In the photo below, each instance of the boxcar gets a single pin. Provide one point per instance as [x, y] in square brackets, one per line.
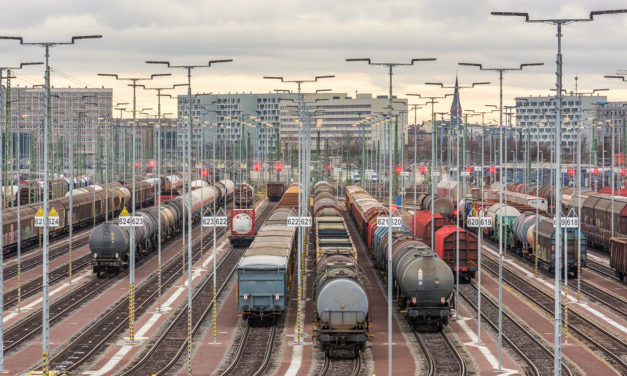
[275, 190]
[618, 256]
[445, 247]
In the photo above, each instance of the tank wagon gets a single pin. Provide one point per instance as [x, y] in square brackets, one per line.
[244, 195]
[423, 283]
[275, 190]
[109, 242]
[341, 304]
[264, 272]
[546, 247]
[84, 209]
[441, 205]
[242, 227]
[508, 214]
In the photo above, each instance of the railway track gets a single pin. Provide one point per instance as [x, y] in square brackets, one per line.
[440, 353]
[605, 271]
[601, 296]
[254, 350]
[538, 358]
[341, 366]
[594, 292]
[35, 285]
[115, 320]
[612, 348]
[60, 249]
[170, 346]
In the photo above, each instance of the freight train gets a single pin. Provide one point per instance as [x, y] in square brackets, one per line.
[109, 242]
[529, 245]
[85, 211]
[445, 245]
[32, 191]
[264, 272]
[244, 195]
[275, 190]
[423, 283]
[341, 303]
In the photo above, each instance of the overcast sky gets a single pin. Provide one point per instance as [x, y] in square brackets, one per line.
[301, 39]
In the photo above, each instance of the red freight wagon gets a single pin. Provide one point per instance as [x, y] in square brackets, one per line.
[618, 256]
[445, 248]
[421, 224]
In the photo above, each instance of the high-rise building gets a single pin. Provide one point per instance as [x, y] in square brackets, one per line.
[336, 117]
[536, 116]
[86, 109]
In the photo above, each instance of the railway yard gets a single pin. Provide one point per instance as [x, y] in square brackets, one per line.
[246, 319]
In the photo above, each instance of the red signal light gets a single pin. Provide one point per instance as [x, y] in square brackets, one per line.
[571, 172]
[136, 164]
[279, 166]
[455, 212]
[595, 171]
[205, 172]
[399, 169]
[469, 169]
[152, 164]
[492, 170]
[257, 166]
[328, 166]
[623, 172]
[423, 170]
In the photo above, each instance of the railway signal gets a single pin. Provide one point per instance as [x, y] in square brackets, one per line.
[623, 172]
[469, 169]
[328, 166]
[205, 172]
[595, 172]
[279, 166]
[152, 164]
[571, 172]
[399, 169]
[423, 170]
[492, 169]
[257, 166]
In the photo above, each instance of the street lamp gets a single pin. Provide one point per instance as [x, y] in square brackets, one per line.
[304, 163]
[47, 121]
[558, 22]
[390, 67]
[501, 70]
[189, 68]
[134, 84]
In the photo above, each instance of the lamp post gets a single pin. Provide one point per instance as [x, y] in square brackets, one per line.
[434, 147]
[19, 252]
[158, 181]
[134, 84]
[47, 121]
[457, 194]
[558, 22]
[501, 182]
[304, 158]
[188, 69]
[390, 67]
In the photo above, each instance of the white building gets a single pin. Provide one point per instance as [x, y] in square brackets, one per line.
[89, 107]
[537, 116]
[334, 115]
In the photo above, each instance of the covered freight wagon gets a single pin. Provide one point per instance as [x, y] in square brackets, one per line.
[421, 224]
[446, 248]
[618, 256]
[546, 247]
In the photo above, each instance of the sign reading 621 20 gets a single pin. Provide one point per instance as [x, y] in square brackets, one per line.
[383, 221]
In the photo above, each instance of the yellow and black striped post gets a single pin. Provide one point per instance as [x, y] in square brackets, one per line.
[44, 367]
[131, 309]
[159, 287]
[189, 341]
